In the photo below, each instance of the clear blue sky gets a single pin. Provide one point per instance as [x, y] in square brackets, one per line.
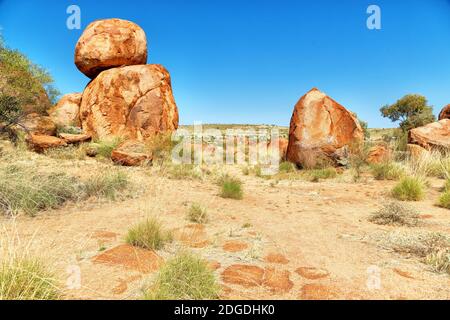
[249, 61]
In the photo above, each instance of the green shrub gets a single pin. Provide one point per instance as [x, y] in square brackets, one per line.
[447, 185]
[317, 174]
[197, 214]
[444, 200]
[148, 234]
[287, 167]
[387, 171]
[409, 189]
[26, 279]
[106, 147]
[395, 213]
[184, 277]
[231, 188]
[106, 185]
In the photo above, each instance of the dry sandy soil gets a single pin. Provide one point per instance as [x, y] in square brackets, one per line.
[285, 240]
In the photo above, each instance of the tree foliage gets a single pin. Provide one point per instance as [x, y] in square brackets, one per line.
[412, 111]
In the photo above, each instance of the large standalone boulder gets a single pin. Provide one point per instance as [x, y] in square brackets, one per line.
[133, 102]
[66, 113]
[108, 44]
[321, 126]
[435, 135]
[445, 113]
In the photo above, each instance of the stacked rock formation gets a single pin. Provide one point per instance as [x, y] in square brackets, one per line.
[321, 127]
[126, 98]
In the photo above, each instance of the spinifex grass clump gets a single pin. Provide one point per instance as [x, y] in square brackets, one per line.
[197, 214]
[409, 189]
[231, 188]
[24, 278]
[106, 185]
[387, 171]
[397, 214]
[184, 277]
[444, 200]
[149, 234]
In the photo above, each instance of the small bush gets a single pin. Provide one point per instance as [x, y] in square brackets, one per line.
[395, 213]
[184, 277]
[439, 260]
[106, 147]
[231, 188]
[148, 234]
[184, 172]
[444, 200]
[197, 214]
[106, 185]
[318, 174]
[287, 167]
[409, 189]
[387, 171]
[26, 279]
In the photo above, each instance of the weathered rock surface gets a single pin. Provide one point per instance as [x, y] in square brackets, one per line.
[38, 124]
[66, 113]
[110, 43]
[40, 143]
[379, 154]
[321, 125]
[415, 151]
[133, 102]
[131, 153]
[75, 138]
[432, 136]
[445, 113]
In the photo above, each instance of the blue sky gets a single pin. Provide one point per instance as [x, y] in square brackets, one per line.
[249, 61]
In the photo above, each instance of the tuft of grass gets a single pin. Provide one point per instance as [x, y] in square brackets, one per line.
[67, 153]
[149, 234]
[316, 175]
[439, 260]
[197, 214]
[231, 188]
[184, 277]
[184, 172]
[104, 148]
[397, 214]
[26, 279]
[409, 189]
[447, 185]
[106, 185]
[287, 167]
[444, 200]
[387, 171]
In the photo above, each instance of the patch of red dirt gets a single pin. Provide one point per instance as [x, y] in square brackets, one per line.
[277, 280]
[313, 291]
[426, 216]
[214, 265]
[404, 274]
[243, 275]
[276, 258]
[312, 273]
[234, 246]
[130, 257]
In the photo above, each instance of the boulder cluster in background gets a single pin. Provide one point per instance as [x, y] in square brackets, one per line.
[126, 99]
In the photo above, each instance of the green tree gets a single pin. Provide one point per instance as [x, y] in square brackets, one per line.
[412, 111]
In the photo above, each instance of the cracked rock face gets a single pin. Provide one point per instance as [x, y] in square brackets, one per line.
[321, 125]
[435, 135]
[110, 43]
[133, 102]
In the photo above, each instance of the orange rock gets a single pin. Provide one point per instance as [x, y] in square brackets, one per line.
[110, 43]
[234, 246]
[134, 103]
[276, 258]
[378, 154]
[243, 275]
[38, 124]
[321, 125]
[277, 280]
[130, 257]
[74, 138]
[131, 153]
[66, 113]
[415, 151]
[40, 143]
[312, 273]
[445, 113]
[433, 135]
[318, 292]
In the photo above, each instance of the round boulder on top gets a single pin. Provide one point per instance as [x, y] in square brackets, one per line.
[321, 127]
[133, 102]
[110, 43]
[445, 113]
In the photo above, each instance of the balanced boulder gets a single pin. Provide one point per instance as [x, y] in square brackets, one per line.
[321, 126]
[133, 102]
[435, 135]
[66, 113]
[108, 44]
[445, 113]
